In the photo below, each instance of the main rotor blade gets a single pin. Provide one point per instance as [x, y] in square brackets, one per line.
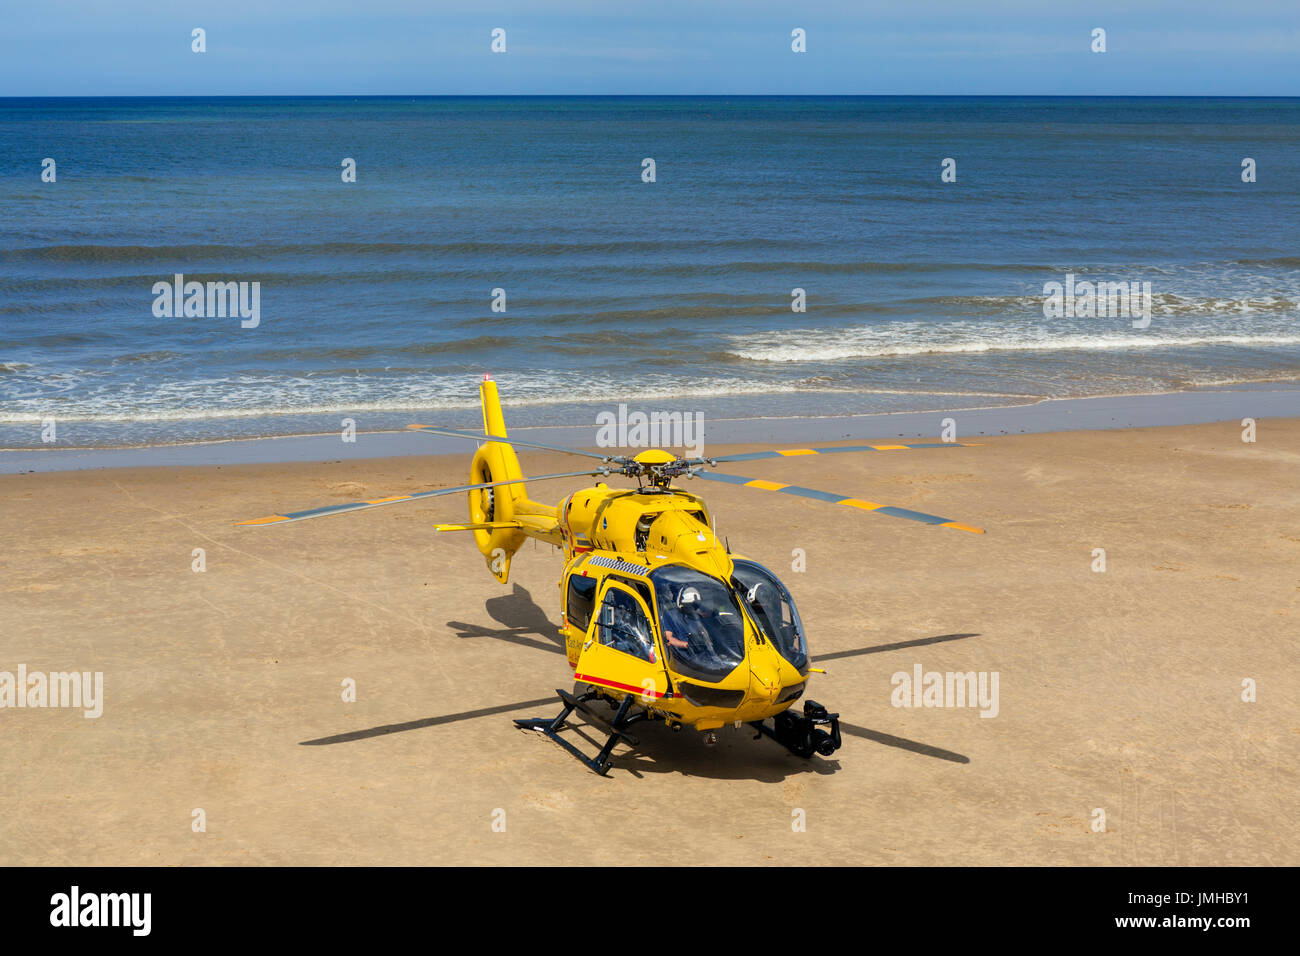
[375, 503]
[835, 499]
[795, 452]
[453, 433]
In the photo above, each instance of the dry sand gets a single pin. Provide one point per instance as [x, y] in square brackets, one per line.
[1119, 690]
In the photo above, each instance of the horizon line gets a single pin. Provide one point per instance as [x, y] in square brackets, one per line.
[610, 96]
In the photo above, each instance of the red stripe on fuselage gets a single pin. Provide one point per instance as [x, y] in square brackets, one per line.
[617, 686]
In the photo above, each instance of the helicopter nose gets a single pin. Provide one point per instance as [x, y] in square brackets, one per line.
[764, 681]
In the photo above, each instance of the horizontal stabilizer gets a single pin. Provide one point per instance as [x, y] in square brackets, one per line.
[484, 526]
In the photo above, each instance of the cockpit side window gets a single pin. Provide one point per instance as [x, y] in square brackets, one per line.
[772, 609]
[580, 601]
[623, 626]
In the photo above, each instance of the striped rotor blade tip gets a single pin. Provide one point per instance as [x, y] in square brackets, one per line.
[839, 449]
[414, 496]
[833, 498]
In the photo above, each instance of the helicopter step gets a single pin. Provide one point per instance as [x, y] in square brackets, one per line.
[615, 729]
[800, 733]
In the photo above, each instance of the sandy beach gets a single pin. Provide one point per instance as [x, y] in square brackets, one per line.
[1120, 691]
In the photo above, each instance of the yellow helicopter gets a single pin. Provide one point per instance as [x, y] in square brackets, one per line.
[659, 618]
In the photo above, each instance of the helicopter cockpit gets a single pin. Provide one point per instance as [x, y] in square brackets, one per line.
[702, 626]
[702, 622]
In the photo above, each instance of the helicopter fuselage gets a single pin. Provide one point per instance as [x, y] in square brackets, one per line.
[652, 607]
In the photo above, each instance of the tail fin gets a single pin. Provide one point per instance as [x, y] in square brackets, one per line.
[496, 461]
[494, 423]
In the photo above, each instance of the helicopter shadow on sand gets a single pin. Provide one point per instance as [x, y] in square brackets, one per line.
[735, 756]
[731, 758]
[524, 621]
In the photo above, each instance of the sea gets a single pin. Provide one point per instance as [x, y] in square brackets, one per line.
[739, 257]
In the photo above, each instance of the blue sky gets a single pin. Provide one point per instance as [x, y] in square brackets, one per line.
[142, 47]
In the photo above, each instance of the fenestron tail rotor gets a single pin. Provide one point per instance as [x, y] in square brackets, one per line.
[415, 496]
[835, 499]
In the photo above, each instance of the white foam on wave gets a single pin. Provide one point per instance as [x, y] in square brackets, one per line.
[214, 399]
[813, 345]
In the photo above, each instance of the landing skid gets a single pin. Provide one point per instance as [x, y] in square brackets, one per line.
[800, 733]
[614, 729]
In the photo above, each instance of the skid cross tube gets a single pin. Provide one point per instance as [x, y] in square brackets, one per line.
[615, 730]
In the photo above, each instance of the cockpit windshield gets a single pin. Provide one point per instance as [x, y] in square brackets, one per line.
[703, 629]
[772, 609]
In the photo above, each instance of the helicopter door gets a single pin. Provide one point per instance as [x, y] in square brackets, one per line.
[620, 651]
